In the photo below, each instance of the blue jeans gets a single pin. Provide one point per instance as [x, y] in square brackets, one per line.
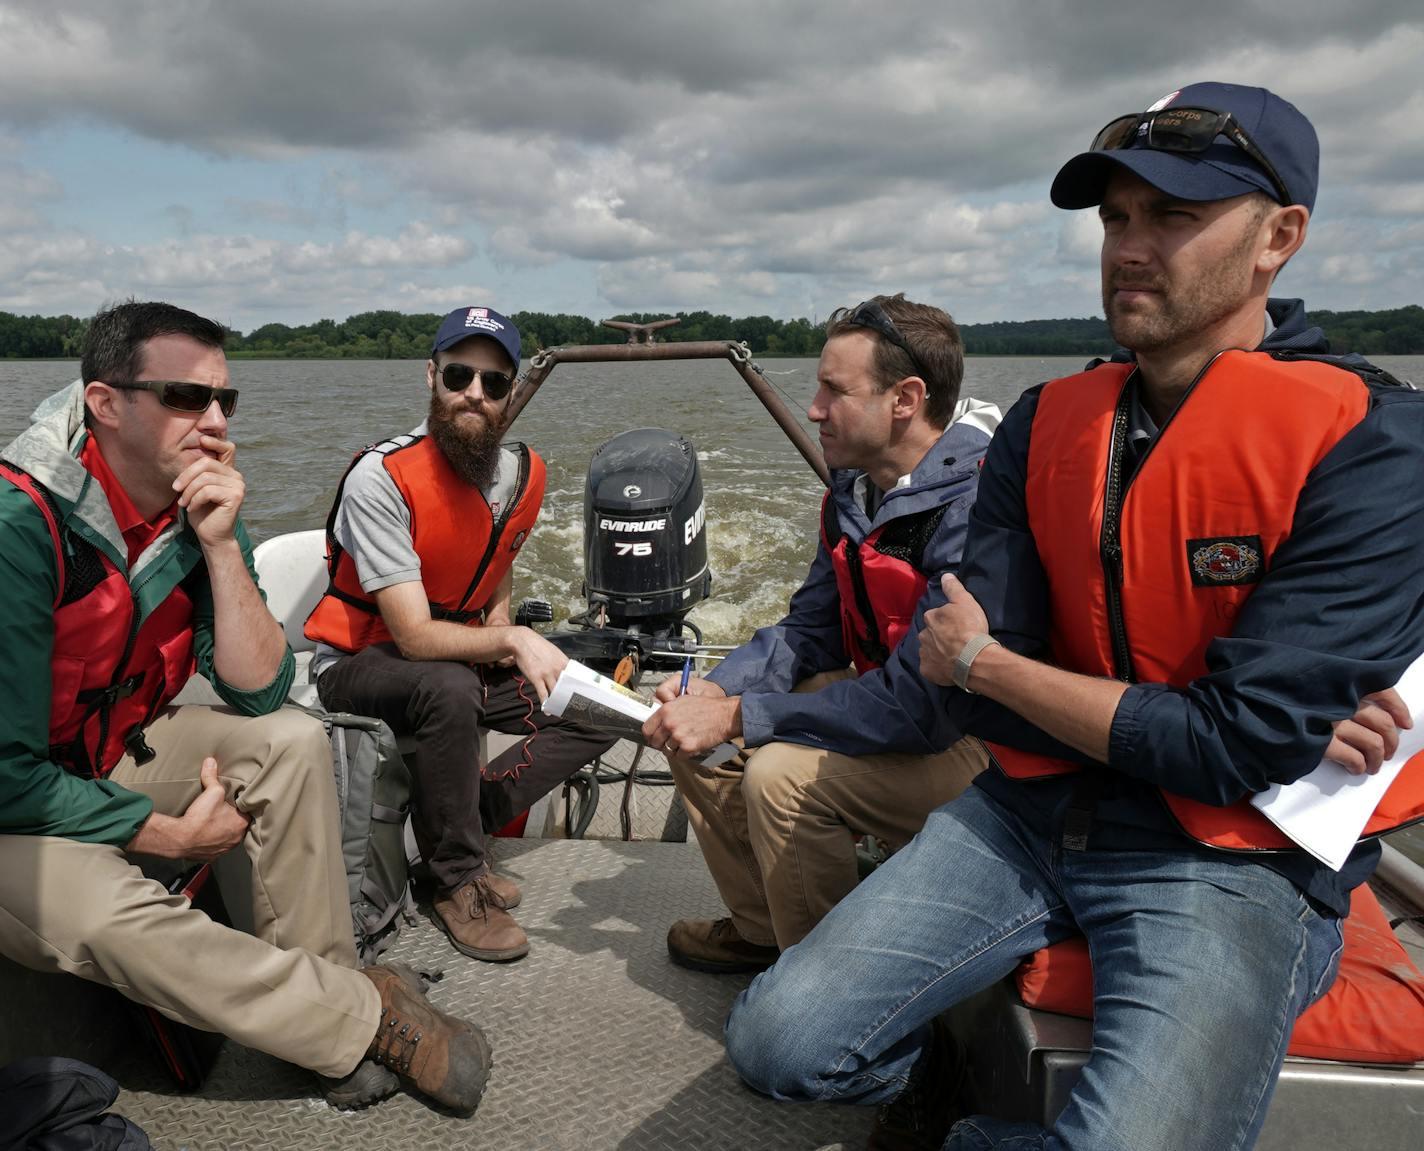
[1201, 965]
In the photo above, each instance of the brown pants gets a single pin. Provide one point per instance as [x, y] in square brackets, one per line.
[777, 824]
[292, 991]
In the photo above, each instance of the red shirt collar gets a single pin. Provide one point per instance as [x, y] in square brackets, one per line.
[138, 532]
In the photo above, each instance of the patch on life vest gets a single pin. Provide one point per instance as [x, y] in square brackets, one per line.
[518, 542]
[1225, 560]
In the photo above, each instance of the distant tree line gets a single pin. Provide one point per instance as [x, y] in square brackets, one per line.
[397, 335]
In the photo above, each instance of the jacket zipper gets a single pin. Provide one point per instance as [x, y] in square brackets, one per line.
[106, 711]
[870, 643]
[1114, 496]
[497, 528]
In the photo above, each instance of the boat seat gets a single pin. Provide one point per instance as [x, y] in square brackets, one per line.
[1353, 1077]
[292, 572]
[1373, 1012]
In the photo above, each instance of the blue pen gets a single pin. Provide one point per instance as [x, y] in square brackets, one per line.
[686, 675]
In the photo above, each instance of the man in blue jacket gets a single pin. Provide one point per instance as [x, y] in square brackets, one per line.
[827, 756]
[1196, 567]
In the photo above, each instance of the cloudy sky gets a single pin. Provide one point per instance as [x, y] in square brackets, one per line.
[276, 160]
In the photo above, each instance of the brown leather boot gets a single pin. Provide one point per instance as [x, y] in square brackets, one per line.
[502, 891]
[936, 1097]
[715, 945]
[440, 1056]
[477, 925]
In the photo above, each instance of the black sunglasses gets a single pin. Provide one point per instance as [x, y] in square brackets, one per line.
[871, 315]
[458, 377]
[182, 396]
[1188, 130]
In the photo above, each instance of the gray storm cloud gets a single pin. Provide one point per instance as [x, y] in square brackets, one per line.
[860, 145]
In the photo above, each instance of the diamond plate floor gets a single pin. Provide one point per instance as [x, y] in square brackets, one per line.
[600, 1042]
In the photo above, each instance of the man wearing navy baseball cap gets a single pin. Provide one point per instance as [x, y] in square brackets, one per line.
[1159, 545]
[415, 625]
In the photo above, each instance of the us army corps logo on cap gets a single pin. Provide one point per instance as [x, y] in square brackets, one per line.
[1167, 99]
[1225, 560]
[480, 318]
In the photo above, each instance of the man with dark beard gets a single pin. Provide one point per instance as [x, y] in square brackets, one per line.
[415, 627]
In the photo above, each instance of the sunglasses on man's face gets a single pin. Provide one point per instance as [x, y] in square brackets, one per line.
[1186, 130]
[458, 377]
[182, 396]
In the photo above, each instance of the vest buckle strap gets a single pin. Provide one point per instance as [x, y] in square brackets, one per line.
[106, 697]
[1077, 823]
[1078, 819]
[138, 747]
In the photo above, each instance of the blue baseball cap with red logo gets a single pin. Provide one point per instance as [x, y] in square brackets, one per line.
[1267, 146]
[466, 323]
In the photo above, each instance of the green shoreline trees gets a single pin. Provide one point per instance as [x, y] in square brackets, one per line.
[398, 335]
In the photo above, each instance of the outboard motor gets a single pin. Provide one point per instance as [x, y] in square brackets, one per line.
[645, 552]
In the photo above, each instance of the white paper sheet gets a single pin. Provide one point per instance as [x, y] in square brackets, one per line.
[1326, 810]
[581, 694]
[584, 695]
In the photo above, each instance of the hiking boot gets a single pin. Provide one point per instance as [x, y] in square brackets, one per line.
[440, 1056]
[369, 1083]
[477, 925]
[502, 891]
[933, 1101]
[714, 945]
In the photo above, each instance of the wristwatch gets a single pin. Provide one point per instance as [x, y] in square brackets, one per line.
[966, 657]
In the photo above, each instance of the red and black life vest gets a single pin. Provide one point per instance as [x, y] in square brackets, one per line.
[1144, 571]
[465, 547]
[109, 678]
[880, 582]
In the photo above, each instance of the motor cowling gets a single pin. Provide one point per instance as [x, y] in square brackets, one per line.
[645, 539]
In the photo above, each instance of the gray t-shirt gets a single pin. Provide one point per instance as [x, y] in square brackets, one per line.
[373, 525]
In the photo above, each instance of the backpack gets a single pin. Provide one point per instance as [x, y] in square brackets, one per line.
[373, 799]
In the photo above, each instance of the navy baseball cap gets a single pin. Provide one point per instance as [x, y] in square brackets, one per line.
[1216, 171]
[463, 323]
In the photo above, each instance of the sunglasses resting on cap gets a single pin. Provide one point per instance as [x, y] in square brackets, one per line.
[183, 396]
[1187, 130]
[1204, 141]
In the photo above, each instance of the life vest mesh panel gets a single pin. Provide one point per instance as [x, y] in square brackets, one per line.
[907, 538]
[83, 571]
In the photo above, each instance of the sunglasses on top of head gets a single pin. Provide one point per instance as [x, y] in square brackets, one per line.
[871, 315]
[458, 377]
[183, 396]
[1188, 131]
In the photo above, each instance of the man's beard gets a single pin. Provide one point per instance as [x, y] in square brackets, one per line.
[472, 448]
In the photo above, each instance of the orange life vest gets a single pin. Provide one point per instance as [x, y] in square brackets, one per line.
[1144, 577]
[465, 547]
[880, 581]
[108, 678]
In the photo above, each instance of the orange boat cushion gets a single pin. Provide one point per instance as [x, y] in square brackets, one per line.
[1374, 1012]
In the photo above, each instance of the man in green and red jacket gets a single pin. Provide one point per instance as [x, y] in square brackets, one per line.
[125, 567]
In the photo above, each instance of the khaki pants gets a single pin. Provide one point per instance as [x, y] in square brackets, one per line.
[292, 992]
[777, 825]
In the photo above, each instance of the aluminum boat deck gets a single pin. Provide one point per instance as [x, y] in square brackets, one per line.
[600, 1041]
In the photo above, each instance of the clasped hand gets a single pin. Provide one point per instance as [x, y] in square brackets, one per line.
[211, 826]
[947, 629]
[693, 722]
[211, 490]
